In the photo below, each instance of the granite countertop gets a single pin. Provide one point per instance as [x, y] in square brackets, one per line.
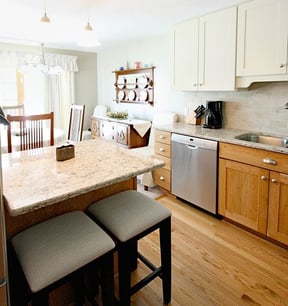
[33, 179]
[222, 135]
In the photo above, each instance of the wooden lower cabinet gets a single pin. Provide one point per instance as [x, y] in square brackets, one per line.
[3, 295]
[243, 196]
[250, 193]
[278, 207]
[162, 150]
[116, 131]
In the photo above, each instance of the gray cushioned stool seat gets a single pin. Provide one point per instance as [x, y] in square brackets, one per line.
[53, 249]
[128, 213]
[129, 216]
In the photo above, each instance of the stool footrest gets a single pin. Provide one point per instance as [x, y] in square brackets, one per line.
[142, 283]
[156, 272]
[147, 262]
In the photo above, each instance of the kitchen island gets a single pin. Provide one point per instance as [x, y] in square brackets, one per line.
[37, 187]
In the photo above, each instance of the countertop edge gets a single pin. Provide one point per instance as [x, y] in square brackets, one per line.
[226, 135]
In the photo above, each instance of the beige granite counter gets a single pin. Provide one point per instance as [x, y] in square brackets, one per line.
[223, 135]
[34, 179]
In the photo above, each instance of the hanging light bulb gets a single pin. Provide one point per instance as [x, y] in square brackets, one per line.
[45, 18]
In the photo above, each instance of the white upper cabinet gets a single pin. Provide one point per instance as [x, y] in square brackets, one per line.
[262, 41]
[185, 58]
[205, 52]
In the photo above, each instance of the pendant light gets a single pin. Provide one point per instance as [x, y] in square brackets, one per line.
[45, 18]
[88, 26]
[88, 36]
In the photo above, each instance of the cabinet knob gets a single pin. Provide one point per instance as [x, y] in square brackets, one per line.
[263, 178]
[282, 65]
[161, 149]
[162, 178]
[161, 137]
[270, 161]
[195, 84]
[273, 181]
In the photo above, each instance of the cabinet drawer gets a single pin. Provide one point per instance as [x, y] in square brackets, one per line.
[162, 178]
[255, 157]
[162, 136]
[162, 149]
[167, 161]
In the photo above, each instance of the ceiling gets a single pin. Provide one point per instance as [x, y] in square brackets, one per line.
[112, 20]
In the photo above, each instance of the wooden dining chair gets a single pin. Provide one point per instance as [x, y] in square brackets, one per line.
[76, 122]
[31, 132]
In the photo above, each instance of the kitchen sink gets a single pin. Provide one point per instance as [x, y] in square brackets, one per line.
[265, 139]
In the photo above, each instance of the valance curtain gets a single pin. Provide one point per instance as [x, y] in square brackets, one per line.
[18, 59]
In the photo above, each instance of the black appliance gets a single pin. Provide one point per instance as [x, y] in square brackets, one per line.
[213, 115]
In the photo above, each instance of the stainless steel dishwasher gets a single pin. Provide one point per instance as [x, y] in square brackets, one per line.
[194, 170]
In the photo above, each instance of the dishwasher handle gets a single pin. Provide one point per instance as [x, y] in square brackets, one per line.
[192, 147]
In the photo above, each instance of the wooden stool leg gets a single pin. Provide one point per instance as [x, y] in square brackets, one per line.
[165, 245]
[133, 255]
[124, 267]
[107, 280]
[40, 299]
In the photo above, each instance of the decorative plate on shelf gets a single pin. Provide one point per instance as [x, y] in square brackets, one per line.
[131, 82]
[144, 95]
[143, 82]
[131, 95]
[121, 82]
[121, 95]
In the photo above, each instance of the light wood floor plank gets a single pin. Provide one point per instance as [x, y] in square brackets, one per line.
[214, 263]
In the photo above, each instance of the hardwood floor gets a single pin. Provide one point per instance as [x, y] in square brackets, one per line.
[215, 263]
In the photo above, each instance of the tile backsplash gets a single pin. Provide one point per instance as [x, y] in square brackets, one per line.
[260, 108]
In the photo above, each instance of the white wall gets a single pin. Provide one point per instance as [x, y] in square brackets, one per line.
[260, 108]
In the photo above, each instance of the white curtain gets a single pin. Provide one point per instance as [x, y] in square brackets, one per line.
[60, 94]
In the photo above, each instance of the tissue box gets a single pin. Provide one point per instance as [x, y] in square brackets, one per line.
[65, 152]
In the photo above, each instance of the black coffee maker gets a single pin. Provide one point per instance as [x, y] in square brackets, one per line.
[213, 115]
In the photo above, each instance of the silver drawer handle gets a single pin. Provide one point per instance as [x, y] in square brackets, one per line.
[270, 161]
[162, 178]
[161, 137]
[273, 181]
[263, 178]
[161, 149]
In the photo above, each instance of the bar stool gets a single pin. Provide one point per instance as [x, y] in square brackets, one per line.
[51, 252]
[129, 216]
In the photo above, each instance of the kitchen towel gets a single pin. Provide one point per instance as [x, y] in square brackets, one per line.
[142, 127]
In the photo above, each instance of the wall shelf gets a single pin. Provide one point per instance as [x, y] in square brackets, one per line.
[135, 86]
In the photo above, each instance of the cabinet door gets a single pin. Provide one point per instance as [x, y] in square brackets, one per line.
[217, 50]
[262, 38]
[107, 130]
[185, 57]
[278, 207]
[243, 194]
[122, 134]
[95, 127]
